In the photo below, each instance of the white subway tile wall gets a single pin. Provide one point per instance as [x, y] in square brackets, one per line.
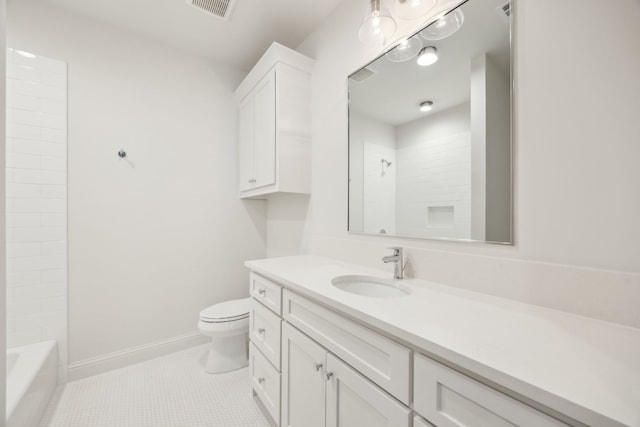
[36, 201]
[434, 172]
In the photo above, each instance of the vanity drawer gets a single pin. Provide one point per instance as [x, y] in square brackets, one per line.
[449, 398]
[265, 332]
[382, 360]
[267, 292]
[265, 380]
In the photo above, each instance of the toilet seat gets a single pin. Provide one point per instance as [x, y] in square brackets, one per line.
[227, 311]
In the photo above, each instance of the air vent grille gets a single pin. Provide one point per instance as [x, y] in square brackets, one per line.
[219, 8]
[361, 75]
[504, 10]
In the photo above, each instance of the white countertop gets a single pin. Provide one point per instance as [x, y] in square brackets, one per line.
[584, 368]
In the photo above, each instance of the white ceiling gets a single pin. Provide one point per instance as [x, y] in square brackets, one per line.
[238, 42]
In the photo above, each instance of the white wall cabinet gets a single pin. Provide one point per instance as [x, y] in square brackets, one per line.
[274, 116]
[320, 390]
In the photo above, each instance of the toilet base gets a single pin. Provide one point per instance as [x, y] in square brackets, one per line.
[228, 354]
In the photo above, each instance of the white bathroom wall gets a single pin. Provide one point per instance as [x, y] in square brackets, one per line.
[577, 204]
[36, 170]
[434, 172]
[161, 234]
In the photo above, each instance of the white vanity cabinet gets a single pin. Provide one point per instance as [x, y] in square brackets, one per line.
[315, 367]
[320, 390]
[274, 116]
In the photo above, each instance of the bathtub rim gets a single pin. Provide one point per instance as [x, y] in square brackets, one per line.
[31, 359]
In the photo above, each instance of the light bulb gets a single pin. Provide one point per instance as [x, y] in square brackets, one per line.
[377, 26]
[412, 9]
[426, 106]
[427, 56]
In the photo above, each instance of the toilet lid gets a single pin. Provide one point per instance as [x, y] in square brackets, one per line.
[226, 311]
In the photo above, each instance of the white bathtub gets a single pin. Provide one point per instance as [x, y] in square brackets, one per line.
[32, 372]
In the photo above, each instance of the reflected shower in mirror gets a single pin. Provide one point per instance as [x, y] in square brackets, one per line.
[430, 131]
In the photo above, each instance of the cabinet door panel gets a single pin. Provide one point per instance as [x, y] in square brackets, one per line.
[303, 381]
[353, 401]
[245, 141]
[265, 131]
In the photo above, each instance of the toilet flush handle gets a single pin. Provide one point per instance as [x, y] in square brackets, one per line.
[262, 292]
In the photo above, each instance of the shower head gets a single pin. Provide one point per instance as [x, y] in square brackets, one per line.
[387, 162]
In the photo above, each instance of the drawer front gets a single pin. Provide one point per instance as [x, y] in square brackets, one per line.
[265, 332]
[267, 292]
[382, 360]
[449, 398]
[265, 380]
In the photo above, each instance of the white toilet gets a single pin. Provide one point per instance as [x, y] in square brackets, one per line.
[227, 323]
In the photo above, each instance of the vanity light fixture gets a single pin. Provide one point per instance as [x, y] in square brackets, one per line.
[444, 27]
[412, 9]
[428, 56]
[426, 106]
[405, 50]
[377, 25]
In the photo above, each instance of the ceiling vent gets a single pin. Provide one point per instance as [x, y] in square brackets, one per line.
[361, 75]
[218, 8]
[504, 10]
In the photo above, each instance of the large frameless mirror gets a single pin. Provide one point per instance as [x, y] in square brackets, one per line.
[430, 131]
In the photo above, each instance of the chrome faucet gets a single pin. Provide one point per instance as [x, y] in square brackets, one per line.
[398, 259]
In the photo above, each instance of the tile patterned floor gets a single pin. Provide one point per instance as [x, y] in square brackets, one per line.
[171, 391]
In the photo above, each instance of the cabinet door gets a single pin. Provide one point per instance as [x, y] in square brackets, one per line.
[354, 401]
[264, 145]
[245, 143]
[303, 380]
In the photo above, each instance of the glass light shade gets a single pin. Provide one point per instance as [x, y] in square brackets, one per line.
[412, 9]
[427, 56]
[405, 50]
[377, 25]
[444, 27]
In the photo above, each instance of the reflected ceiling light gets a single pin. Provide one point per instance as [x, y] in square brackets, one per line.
[444, 27]
[377, 25]
[427, 56]
[426, 106]
[412, 9]
[405, 50]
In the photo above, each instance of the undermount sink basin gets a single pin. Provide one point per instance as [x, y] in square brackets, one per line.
[370, 286]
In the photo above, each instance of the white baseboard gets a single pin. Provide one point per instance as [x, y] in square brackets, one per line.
[119, 359]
